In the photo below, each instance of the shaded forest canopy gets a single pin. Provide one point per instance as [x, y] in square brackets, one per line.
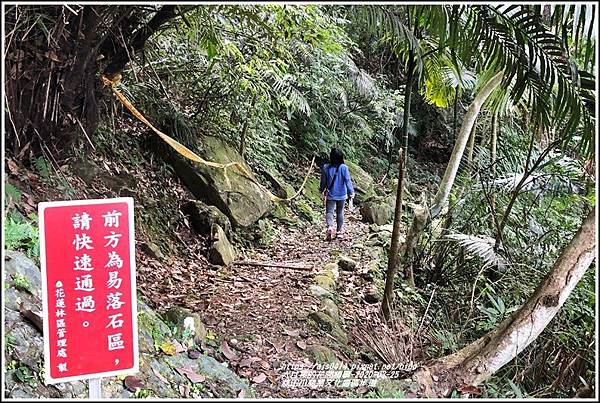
[469, 131]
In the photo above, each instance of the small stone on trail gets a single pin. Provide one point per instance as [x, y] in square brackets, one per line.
[372, 295]
[320, 291]
[133, 383]
[193, 353]
[221, 252]
[346, 263]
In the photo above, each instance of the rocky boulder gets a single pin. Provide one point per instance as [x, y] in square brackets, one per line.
[346, 263]
[311, 190]
[329, 325]
[376, 211]
[152, 250]
[158, 375]
[236, 195]
[203, 216]
[373, 295]
[279, 186]
[221, 251]
[364, 186]
[187, 322]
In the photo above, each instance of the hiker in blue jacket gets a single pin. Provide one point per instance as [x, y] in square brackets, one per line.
[336, 186]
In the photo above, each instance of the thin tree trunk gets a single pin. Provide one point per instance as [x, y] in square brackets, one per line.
[441, 198]
[393, 259]
[390, 275]
[420, 215]
[493, 158]
[494, 144]
[246, 123]
[476, 362]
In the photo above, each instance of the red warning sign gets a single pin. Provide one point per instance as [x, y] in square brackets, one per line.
[87, 258]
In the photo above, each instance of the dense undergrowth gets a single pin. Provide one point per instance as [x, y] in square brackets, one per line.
[284, 84]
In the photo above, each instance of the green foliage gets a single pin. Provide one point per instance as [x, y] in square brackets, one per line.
[268, 233]
[26, 375]
[495, 312]
[508, 389]
[545, 215]
[42, 167]
[289, 82]
[10, 342]
[12, 193]
[20, 282]
[22, 236]
[305, 210]
[144, 394]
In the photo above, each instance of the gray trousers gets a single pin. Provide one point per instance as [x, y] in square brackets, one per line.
[338, 206]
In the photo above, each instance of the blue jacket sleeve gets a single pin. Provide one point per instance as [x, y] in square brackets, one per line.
[348, 180]
[323, 179]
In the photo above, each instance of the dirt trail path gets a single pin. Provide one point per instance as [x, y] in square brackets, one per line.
[262, 311]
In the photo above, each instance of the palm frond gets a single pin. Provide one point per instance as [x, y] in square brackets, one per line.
[481, 246]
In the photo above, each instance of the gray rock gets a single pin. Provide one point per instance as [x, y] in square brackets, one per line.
[282, 189]
[382, 228]
[373, 295]
[203, 216]
[376, 211]
[364, 185]
[228, 383]
[26, 350]
[18, 266]
[320, 291]
[152, 250]
[186, 319]
[232, 192]
[150, 326]
[331, 270]
[346, 263]
[330, 308]
[329, 325]
[221, 251]
[322, 354]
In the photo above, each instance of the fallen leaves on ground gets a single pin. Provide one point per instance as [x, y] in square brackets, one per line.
[160, 376]
[168, 348]
[260, 378]
[191, 375]
[226, 350]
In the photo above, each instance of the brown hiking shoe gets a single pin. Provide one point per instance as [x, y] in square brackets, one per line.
[330, 234]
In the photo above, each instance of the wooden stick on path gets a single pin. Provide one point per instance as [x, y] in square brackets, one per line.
[267, 264]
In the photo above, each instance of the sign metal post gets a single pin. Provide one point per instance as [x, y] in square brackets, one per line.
[95, 387]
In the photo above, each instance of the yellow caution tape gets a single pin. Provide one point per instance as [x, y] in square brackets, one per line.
[186, 152]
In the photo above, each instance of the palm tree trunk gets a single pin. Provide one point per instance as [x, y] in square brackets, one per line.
[478, 361]
[470, 150]
[393, 259]
[455, 113]
[441, 198]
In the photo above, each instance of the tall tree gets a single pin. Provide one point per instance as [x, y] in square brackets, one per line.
[479, 360]
[51, 91]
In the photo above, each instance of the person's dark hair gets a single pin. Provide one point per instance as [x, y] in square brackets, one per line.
[336, 157]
